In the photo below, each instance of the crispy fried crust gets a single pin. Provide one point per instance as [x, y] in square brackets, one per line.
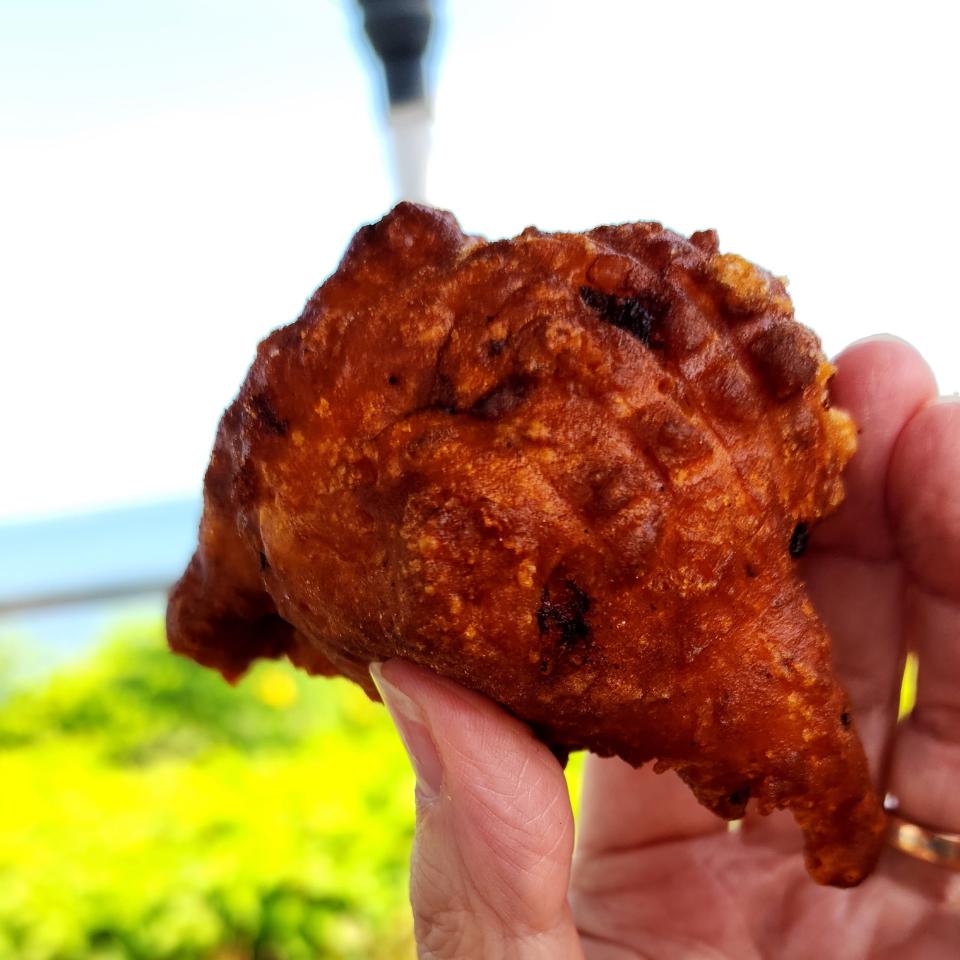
[571, 471]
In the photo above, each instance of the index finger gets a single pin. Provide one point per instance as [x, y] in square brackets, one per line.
[881, 382]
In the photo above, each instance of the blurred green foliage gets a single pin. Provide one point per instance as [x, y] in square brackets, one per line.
[151, 811]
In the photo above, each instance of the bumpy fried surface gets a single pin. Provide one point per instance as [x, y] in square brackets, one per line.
[570, 471]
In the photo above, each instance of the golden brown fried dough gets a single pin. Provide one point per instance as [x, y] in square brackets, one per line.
[571, 471]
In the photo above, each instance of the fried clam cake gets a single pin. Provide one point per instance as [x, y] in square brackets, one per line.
[570, 471]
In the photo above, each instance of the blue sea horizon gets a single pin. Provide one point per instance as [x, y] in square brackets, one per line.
[65, 581]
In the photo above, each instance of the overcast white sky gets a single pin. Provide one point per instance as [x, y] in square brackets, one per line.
[177, 177]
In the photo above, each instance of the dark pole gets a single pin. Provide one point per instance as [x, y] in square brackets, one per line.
[399, 31]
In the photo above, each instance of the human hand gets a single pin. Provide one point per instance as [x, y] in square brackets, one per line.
[655, 874]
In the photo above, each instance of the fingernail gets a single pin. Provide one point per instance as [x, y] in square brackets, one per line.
[414, 729]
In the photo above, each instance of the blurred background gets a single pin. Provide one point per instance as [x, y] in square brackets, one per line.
[176, 178]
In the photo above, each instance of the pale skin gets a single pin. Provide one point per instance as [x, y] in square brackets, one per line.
[495, 871]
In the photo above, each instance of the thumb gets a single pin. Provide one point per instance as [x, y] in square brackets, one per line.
[491, 858]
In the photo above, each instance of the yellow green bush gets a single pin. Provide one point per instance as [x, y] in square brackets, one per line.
[151, 811]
